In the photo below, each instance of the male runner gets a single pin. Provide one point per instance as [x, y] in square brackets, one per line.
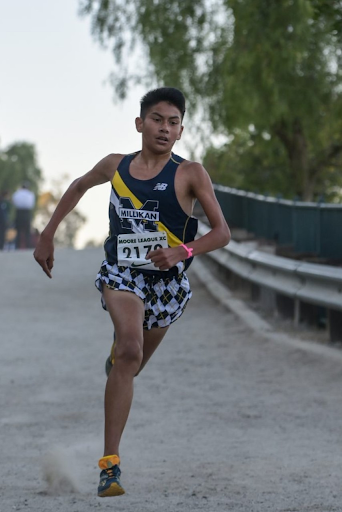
[150, 245]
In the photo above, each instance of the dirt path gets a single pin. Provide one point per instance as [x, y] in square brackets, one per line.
[222, 419]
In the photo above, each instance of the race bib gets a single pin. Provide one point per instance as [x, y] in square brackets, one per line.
[132, 248]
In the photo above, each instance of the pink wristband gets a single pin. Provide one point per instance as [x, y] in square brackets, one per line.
[188, 250]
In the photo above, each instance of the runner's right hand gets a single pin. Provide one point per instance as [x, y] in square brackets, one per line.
[43, 254]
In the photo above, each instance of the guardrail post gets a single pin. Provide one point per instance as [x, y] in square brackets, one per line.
[285, 305]
[296, 312]
[318, 230]
[335, 325]
[316, 290]
[309, 314]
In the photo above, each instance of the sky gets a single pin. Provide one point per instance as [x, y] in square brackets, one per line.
[55, 93]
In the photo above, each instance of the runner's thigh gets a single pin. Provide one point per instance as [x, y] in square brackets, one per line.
[127, 312]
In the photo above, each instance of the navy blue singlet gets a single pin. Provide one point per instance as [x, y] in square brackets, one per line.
[138, 206]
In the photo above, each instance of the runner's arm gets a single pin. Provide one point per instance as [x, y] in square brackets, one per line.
[201, 189]
[101, 173]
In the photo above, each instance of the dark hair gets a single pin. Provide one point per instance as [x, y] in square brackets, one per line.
[168, 94]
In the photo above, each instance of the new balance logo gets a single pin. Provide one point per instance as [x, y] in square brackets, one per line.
[160, 186]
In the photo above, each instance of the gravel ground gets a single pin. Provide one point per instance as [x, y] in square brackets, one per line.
[223, 418]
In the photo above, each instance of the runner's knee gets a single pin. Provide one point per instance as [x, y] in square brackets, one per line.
[130, 354]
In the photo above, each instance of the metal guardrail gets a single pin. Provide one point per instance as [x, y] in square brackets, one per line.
[304, 226]
[318, 285]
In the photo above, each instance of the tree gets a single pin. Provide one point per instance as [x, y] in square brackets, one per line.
[18, 163]
[250, 161]
[273, 65]
[47, 202]
[258, 163]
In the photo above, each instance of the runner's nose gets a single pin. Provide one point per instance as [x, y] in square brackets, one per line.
[164, 128]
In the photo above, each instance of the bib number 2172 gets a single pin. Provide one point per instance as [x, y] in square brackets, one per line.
[133, 248]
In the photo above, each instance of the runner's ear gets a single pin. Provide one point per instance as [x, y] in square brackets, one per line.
[139, 124]
[181, 131]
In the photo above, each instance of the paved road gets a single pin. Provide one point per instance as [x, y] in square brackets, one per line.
[222, 418]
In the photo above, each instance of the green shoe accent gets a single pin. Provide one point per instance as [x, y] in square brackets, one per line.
[110, 359]
[108, 366]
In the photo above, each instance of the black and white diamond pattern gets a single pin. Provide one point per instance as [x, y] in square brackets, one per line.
[165, 299]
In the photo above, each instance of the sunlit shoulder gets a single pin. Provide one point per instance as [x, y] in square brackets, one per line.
[108, 165]
[194, 171]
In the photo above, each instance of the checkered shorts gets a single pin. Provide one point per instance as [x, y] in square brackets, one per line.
[164, 299]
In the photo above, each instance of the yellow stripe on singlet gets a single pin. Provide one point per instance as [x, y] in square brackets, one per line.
[172, 240]
[123, 191]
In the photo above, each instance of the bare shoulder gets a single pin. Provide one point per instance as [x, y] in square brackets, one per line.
[108, 165]
[101, 173]
[193, 167]
[194, 174]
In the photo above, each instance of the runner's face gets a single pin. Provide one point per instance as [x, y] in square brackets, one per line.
[161, 128]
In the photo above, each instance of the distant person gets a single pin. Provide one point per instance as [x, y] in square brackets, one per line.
[24, 201]
[4, 217]
[143, 281]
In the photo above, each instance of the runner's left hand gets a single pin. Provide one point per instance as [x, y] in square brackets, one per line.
[166, 258]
